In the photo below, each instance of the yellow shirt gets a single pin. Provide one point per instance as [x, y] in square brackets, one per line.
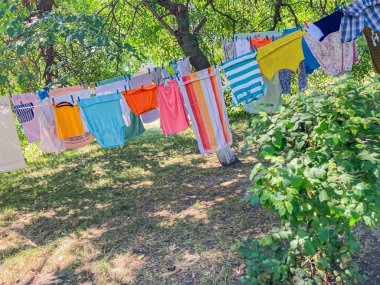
[68, 121]
[284, 53]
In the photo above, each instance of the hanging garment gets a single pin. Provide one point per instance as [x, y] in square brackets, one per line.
[314, 31]
[60, 97]
[310, 63]
[373, 41]
[136, 127]
[360, 14]
[356, 57]
[49, 136]
[64, 91]
[142, 99]
[145, 80]
[109, 81]
[184, 66]
[259, 42]
[78, 141]
[68, 120]
[284, 53]
[150, 117]
[43, 94]
[268, 103]
[335, 57]
[229, 49]
[155, 75]
[203, 95]
[26, 117]
[285, 76]
[173, 115]
[263, 34]
[113, 88]
[11, 157]
[242, 47]
[24, 112]
[245, 78]
[105, 121]
[329, 24]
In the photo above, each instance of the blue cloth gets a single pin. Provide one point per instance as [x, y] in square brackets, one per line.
[360, 14]
[285, 76]
[43, 94]
[104, 119]
[329, 24]
[310, 62]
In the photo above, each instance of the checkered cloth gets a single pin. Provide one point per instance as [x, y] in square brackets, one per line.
[360, 14]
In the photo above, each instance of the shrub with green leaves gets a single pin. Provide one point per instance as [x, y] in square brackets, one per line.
[319, 173]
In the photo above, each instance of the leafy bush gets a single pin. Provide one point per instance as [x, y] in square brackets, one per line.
[320, 175]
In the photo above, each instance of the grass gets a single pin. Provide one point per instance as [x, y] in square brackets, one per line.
[152, 212]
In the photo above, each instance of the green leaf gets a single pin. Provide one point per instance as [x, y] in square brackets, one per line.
[323, 234]
[11, 31]
[266, 240]
[309, 248]
[323, 196]
[289, 207]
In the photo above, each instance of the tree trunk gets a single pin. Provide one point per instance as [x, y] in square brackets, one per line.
[47, 52]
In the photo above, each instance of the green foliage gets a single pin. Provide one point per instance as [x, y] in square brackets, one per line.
[320, 174]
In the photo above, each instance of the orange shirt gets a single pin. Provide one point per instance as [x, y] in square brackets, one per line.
[142, 99]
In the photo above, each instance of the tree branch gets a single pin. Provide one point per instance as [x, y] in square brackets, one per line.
[160, 19]
[200, 25]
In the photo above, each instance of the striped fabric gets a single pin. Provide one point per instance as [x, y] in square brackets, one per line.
[203, 96]
[245, 78]
[24, 112]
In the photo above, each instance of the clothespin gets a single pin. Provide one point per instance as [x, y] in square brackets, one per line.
[78, 98]
[53, 101]
[117, 90]
[149, 70]
[125, 77]
[125, 88]
[72, 98]
[267, 37]
[306, 24]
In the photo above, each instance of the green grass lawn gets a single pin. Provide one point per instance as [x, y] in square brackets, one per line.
[152, 212]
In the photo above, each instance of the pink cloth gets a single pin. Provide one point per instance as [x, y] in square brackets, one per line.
[173, 116]
[32, 127]
[356, 57]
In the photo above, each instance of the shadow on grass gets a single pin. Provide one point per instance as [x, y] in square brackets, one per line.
[152, 204]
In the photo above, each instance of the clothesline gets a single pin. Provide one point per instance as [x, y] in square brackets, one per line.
[259, 70]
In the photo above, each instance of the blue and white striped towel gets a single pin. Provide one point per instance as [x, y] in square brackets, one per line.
[244, 75]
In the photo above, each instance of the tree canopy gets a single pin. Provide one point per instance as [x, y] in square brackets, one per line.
[66, 42]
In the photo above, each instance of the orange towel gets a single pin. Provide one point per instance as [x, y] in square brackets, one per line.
[260, 42]
[68, 121]
[142, 99]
